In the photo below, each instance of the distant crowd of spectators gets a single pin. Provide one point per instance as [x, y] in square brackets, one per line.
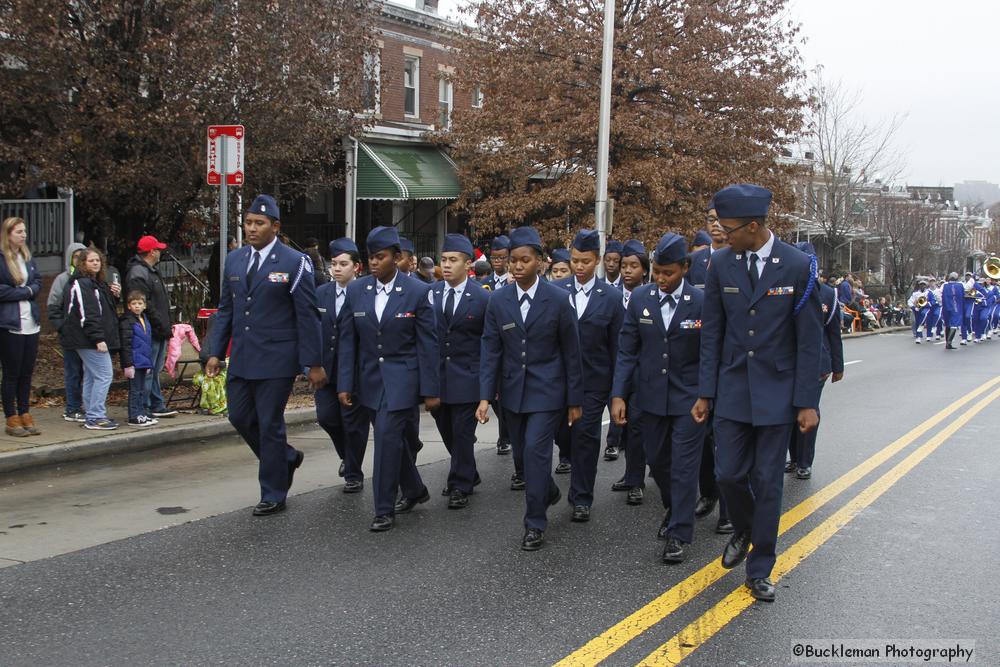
[858, 307]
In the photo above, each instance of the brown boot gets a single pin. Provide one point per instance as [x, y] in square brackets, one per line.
[15, 428]
[28, 422]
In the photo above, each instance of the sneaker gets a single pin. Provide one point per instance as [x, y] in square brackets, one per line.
[141, 421]
[101, 424]
[164, 412]
[77, 417]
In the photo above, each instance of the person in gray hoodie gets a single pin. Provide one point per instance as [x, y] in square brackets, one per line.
[72, 364]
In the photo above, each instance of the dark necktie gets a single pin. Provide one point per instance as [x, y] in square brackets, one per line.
[668, 299]
[449, 305]
[754, 275]
[525, 297]
[254, 265]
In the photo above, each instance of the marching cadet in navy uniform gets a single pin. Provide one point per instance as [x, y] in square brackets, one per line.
[268, 309]
[802, 446]
[530, 353]
[394, 340]
[613, 263]
[760, 352]
[500, 277]
[347, 426]
[952, 304]
[460, 307]
[708, 487]
[701, 240]
[407, 262]
[599, 313]
[661, 338]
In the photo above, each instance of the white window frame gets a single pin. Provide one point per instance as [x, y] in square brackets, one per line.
[477, 97]
[415, 60]
[445, 86]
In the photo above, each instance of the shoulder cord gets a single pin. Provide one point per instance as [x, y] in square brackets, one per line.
[809, 287]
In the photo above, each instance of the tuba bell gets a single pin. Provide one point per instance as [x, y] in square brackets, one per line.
[991, 267]
[921, 302]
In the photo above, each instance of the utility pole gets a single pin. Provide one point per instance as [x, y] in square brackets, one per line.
[604, 129]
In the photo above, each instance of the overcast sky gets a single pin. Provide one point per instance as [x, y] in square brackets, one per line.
[936, 62]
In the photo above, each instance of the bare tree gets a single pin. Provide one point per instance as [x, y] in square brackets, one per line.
[906, 226]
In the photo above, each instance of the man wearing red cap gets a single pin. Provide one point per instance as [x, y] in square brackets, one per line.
[141, 276]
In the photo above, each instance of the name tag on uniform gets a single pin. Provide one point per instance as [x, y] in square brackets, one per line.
[408, 314]
[781, 291]
[509, 326]
[731, 290]
[691, 324]
[322, 310]
[361, 314]
[235, 279]
[644, 321]
[277, 277]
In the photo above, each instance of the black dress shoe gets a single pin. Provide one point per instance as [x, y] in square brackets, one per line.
[724, 527]
[353, 486]
[477, 481]
[620, 485]
[581, 513]
[503, 448]
[556, 497]
[762, 589]
[381, 524]
[804, 473]
[634, 496]
[404, 505]
[340, 473]
[704, 506]
[789, 466]
[532, 540]
[563, 468]
[267, 508]
[517, 483]
[661, 532]
[446, 491]
[611, 454]
[736, 550]
[673, 551]
[294, 465]
[458, 500]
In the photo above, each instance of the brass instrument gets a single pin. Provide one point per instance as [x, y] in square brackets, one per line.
[921, 302]
[991, 267]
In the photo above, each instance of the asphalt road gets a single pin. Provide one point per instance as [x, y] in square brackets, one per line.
[154, 558]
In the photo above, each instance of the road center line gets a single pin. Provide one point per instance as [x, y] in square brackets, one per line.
[685, 642]
[617, 636]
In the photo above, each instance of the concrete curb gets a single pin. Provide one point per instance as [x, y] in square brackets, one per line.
[132, 441]
[862, 334]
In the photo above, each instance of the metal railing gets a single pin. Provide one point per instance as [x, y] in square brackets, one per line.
[50, 222]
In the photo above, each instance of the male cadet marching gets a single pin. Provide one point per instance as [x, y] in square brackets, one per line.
[599, 314]
[761, 325]
[952, 303]
[268, 308]
[393, 339]
[347, 426]
[921, 313]
[708, 487]
[802, 446]
[460, 307]
[530, 353]
[407, 261]
[661, 336]
[499, 261]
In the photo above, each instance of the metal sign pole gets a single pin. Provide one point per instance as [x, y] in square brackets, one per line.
[223, 213]
[604, 130]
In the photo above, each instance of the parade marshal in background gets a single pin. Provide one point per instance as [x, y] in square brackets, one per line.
[268, 310]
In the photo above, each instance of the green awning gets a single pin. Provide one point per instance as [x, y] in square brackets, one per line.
[400, 171]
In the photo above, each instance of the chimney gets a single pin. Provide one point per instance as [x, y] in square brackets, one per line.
[429, 6]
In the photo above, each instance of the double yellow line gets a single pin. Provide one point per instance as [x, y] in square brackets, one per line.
[703, 628]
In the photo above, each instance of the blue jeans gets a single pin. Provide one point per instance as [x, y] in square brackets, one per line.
[73, 381]
[154, 399]
[137, 394]
[97, 375]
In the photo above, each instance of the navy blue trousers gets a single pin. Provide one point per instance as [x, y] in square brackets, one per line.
[531, 438]
[707, 485]
[257, 411]
[585, 448]
[456, 422]
[635, 455]
[750, 461]
[614, 436]
[673, 447]
[395, 458]
[802, 446]
[564, 442]
[348, 430]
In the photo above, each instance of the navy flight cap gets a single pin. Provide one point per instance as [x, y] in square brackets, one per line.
[500, 243]
[525, 236]
[406, 245]
[702, 238]
[742, 201]
[613, 247]
[671, 249]
[587, 240]
[633, 248]
[560, 255]
[265, 205]
[458, 243]
[381, 238]
[342, 245]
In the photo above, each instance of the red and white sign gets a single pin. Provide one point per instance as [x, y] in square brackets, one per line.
[232, 136]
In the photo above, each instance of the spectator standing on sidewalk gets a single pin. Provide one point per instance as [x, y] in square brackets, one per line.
[137, 357]
[91, 329]
[141, 275]
[20, 283]
[72, 365]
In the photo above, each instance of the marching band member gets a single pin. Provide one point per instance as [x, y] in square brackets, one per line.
[934, 320]
[969, 287]
[920, 303]
[952, 306]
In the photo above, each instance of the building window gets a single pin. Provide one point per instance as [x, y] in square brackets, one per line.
[411, 85]
[444, 103]
[477, 97]
[372, 87]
